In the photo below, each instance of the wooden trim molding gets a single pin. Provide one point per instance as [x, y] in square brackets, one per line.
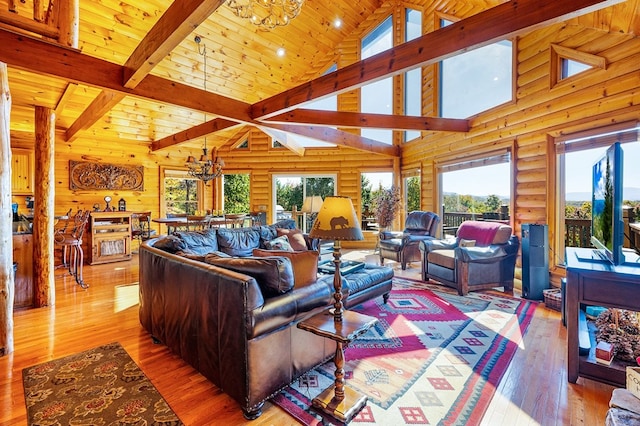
[89, 175]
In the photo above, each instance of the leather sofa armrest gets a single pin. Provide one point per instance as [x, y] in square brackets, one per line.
[432, 244]
[490, 254]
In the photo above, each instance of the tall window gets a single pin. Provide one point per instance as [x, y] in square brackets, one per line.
[576, 155]
[477, 80]
[474, 189]
[413, 78]
[371, 184]
[182, 194]
[378, 97]
[290, 192]
[412, 193]
[236, 193]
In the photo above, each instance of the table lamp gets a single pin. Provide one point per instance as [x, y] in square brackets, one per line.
[337, 221]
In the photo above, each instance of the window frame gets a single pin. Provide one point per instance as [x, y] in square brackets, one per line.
[178, 173]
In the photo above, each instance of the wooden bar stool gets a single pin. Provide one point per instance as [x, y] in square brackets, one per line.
[69, 238]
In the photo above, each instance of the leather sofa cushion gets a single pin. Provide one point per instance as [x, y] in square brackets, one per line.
[238, 242]
[304, 264]
[170, 244]
[446, 258]
[198, 242]
[296, 239]
[273, 274]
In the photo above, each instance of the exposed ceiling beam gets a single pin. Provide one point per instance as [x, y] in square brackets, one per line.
[195, 132]
[29, 25]
[498, 23]
[42, 57]
[338, 137]
[62, 102]
[378, 121]
[94, 112]
[179, 20]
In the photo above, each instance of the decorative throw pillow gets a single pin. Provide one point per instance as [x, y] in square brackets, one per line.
[466, 243]
[273, 274]
[304, 264]
[279, 243]
[296, 238]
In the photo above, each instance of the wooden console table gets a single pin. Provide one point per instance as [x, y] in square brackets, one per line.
[597, 283]
[110, 237]
[353, 325]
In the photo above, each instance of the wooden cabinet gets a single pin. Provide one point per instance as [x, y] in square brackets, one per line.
[110, 237]
[23, 257]
[21, 171]
[596, 283]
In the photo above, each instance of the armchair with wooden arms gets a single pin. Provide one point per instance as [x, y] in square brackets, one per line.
[403, 246]
[482, 256]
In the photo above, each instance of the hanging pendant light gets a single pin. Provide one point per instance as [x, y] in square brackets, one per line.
[204, 169]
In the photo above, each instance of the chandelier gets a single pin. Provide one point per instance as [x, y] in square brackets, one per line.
[204, 169]
[266, 14]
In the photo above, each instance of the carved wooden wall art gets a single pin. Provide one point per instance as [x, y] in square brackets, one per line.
[88, 175]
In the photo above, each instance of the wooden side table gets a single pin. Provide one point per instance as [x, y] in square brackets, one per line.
[339, 401]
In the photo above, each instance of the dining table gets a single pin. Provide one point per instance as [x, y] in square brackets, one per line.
[193, 222]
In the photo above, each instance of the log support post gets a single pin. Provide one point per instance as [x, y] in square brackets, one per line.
[6, 219]
[43, 212]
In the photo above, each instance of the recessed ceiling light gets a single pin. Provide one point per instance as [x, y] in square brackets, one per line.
[337, 23]
[281, 51]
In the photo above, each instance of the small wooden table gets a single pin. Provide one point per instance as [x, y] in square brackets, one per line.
[339, 401]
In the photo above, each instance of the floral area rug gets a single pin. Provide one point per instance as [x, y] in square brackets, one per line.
[433, 358]
[101, 386]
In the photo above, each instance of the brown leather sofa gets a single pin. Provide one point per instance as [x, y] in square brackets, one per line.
[236, 332]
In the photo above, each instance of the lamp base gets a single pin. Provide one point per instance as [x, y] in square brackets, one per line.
[344, 410]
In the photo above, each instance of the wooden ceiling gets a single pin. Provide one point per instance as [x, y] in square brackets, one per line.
[160, 100]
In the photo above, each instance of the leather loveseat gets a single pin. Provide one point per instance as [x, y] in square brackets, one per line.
[220, 315]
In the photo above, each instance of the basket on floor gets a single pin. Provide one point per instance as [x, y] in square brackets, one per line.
[553, 299]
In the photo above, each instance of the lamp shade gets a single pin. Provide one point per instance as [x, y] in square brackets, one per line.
[337, 220]
[312, 204]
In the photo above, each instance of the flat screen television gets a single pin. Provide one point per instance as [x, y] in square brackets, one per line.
[607, 227]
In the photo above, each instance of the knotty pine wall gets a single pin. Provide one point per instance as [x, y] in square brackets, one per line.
[537, 115]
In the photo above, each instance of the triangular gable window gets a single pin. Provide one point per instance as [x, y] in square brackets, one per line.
[569, 68]
[567, 63]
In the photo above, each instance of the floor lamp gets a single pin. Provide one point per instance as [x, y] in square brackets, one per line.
[337, 221]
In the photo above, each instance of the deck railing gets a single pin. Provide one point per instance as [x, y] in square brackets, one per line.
[577, 231]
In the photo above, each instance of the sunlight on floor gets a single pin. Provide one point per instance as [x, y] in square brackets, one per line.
[125, 296]
[511, 331]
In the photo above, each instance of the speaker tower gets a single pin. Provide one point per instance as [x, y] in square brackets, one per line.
[535, 260]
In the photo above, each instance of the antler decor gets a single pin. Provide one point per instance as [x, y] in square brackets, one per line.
[86, 175]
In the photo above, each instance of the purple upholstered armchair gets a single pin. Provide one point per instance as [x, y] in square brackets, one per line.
[403, 246]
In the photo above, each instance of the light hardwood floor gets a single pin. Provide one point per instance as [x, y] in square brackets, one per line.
[534, 390]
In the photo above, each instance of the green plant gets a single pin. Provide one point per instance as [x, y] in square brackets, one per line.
[385, 203]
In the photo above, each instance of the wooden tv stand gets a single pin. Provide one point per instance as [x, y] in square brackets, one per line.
[597, 283]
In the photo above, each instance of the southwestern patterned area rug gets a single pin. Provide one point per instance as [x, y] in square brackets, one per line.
[433, 358]
[101, 386]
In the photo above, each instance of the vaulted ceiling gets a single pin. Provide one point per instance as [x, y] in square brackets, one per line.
[137, 74]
